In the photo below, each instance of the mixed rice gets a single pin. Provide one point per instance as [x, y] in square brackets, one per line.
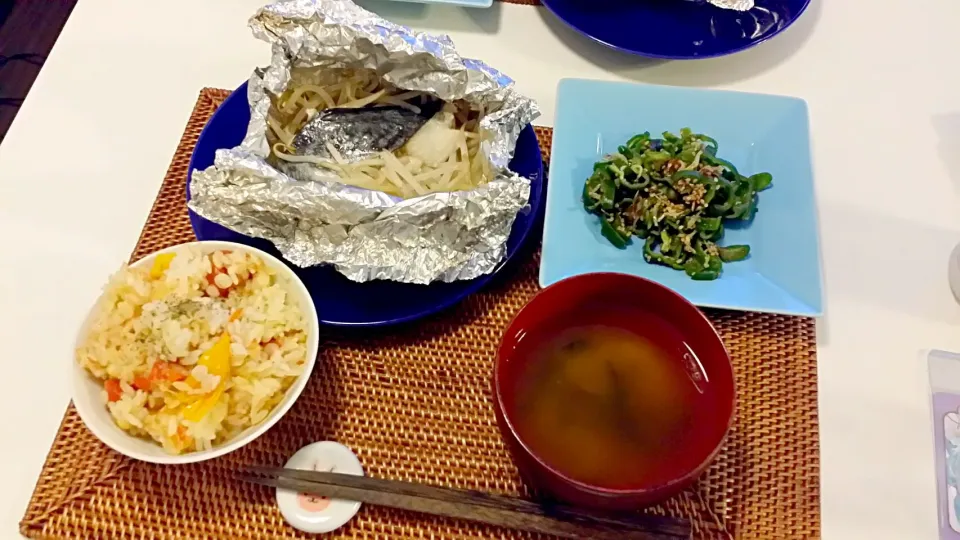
[196, 348]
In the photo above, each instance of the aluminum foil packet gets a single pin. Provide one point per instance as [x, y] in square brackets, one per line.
[735, 5]
[314, 219]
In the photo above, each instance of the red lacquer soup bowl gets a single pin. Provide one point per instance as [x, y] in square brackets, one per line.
[648, 309]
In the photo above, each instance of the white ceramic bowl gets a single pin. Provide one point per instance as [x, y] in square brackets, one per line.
[88, 400]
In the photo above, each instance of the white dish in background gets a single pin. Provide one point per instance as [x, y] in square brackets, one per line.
[87, 391]
[464, 3]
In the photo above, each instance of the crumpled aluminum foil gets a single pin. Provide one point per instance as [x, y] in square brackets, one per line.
[736, 5]
[366, 235]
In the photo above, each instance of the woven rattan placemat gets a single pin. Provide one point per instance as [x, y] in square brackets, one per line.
[414, 404]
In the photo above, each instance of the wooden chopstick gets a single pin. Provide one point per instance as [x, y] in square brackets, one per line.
[487, 508]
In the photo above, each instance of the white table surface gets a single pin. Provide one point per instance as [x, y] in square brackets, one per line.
[87, 152]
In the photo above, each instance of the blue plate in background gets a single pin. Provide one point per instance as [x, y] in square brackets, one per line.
[339, 301]
[755, 132]
[676, 29]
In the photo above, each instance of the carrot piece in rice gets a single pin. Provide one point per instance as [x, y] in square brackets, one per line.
[113, 389]
[168, 371]
[181, 440]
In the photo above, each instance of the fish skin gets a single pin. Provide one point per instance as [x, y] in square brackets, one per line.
[358, 133]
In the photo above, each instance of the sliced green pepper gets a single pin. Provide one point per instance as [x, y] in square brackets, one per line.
[638, 142]
[743, 207]
[761, 181]
[651, 255]
[714, 263]
[630, 193]
[654, 156]
[612, 234]
[708, 224]
[710, 194]
[692, 266]
[608, 192]
[691, 175]
[715, 161]
[589, 202]
[733, 253]
[640, 184]
[752, 209]
[649, 218]
[711, 143]
[726, 190]
[742, 199]
[705, 275]
[665, 241]
[687, 155]
[648, 248]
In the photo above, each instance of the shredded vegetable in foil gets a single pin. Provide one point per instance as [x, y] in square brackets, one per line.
[377, 136]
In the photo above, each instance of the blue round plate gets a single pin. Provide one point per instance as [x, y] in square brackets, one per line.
[339, 301]
[676, 29]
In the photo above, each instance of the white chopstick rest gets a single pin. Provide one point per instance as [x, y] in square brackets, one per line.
[312, 513]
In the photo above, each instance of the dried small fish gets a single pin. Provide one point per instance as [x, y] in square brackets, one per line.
[360, 133]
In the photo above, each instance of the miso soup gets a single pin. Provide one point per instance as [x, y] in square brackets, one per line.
[608, 404]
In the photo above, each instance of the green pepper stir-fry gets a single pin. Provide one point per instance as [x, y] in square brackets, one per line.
[674, 193]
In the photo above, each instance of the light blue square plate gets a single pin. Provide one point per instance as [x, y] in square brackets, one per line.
[755, 132]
